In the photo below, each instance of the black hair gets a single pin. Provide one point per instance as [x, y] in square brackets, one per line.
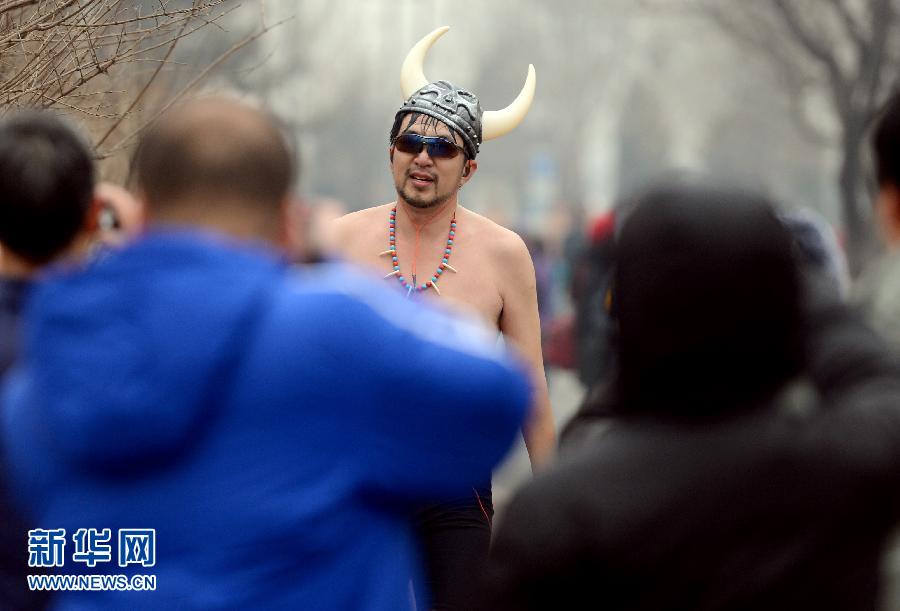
[46, 185]
[887, 143]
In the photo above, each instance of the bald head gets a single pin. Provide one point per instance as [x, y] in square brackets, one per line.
[213, 153]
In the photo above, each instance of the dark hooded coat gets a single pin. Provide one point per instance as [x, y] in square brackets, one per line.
[746, 456]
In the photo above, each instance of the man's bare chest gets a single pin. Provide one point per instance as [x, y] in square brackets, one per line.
[469, 279]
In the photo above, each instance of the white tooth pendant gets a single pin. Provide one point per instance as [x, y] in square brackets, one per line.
[444, 264]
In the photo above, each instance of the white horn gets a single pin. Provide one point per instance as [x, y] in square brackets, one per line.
[496, 123]
[412, 77]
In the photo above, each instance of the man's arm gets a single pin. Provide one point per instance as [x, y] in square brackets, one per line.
[520, 325]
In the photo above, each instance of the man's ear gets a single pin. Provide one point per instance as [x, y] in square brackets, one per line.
[468, 170]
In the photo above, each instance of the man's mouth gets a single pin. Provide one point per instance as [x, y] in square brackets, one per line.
[421, 179]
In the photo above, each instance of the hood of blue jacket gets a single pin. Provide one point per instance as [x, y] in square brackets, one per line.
[119, 380]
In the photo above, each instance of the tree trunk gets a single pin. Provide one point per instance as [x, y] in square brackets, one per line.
[859, 234]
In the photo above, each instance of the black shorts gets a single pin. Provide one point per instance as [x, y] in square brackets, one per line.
[455, 537]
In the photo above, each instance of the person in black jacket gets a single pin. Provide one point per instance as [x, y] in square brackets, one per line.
[47, 214]
[747, 453]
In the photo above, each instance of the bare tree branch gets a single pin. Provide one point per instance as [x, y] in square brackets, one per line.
[11, 6]
[855, 88]
[137, 99]
[873, 60]
[52, 51]
[851, 25]
[813, 45]
[126, 141]
[753, 32]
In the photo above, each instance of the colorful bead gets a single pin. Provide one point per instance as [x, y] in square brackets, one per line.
[392, 238]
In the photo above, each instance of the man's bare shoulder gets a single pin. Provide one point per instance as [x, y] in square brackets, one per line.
[502, 243]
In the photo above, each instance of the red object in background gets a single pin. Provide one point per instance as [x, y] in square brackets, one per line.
[560, 345]
[602, 227]
[559, 342]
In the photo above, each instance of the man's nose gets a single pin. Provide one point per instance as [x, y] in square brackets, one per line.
[423, 158]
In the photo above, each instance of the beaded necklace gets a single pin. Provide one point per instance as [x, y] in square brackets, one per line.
[392, 251]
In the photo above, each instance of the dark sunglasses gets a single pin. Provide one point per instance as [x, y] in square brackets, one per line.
[438, 148]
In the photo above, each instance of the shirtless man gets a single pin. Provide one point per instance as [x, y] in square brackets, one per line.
[429, 246]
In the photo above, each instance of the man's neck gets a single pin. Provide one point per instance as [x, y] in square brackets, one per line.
[254, 228]
[12, 266]
[425, 219]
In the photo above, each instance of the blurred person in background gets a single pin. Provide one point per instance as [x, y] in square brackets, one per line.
[591, 287]
[47, 214]
[47, 209]
[700, 480]
[819, 247]
[434, 140]
[121, 217]
[274, 427]
[878, 289]
[309, 225]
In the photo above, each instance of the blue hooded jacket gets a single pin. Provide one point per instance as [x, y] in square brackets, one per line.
[275, 427]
